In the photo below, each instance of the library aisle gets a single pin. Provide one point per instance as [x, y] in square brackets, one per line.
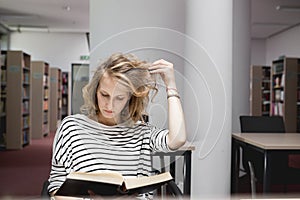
[23, 171]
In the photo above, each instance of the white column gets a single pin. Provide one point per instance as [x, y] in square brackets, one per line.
[241, 61]
[208, 95]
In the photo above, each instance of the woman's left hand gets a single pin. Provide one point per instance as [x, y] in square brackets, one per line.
[166, 71]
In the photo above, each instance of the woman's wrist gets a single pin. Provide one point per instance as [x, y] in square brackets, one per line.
[170, 89]
[173, 95]
[172, 92]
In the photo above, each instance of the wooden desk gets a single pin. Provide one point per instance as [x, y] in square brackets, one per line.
[269, 144]
[186, 152]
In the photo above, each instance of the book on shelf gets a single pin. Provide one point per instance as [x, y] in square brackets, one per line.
[277, 108]
[3, 75]
[45, 105]
[45, 117]
[81, 184]
[25, 106]
[45, 80]
[25, 92]
[266, 85]
[277, 82]
[46, 93]
[3, 59]
[278, 67]
[2, 106]
[26, 78]
[25, 137]
[266, 72]
[282, 80]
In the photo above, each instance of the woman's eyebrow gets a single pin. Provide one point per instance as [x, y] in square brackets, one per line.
[103, 91]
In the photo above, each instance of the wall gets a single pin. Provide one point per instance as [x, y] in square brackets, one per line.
[150, 29]
[57, 49]
[286, 43]
[258, 52]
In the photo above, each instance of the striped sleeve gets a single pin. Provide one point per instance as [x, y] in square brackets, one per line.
[58, 171]
[158, 139]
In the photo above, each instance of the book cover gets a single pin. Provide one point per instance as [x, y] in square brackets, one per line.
[80, 184]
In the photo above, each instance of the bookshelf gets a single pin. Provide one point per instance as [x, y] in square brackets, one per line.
[55, 98]
[284, 93]
[18, 127]
[260, 82]
[3, 99]
[65, 95]
[39, 99]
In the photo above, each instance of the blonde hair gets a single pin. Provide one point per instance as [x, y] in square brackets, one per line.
[131, 72]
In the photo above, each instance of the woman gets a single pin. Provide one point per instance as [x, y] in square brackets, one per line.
[110, 134]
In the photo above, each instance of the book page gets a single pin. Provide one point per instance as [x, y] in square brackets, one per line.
[104, 177]
[131, 183]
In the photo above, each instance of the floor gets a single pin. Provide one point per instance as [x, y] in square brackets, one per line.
[23, 171]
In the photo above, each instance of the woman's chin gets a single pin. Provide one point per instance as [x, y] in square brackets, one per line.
[108, 115]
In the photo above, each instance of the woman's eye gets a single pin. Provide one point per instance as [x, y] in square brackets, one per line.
[104, 95]
[120, 98]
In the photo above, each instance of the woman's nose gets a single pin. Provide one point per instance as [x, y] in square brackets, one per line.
[109, 103]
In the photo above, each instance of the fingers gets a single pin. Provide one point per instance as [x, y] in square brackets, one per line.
[160, 66]
[160, 61]
[155, 70]
[165, 70]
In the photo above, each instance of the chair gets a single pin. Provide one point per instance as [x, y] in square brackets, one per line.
[260, 124]
[44, 192]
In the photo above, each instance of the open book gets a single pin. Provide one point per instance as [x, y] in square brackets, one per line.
[80, 184]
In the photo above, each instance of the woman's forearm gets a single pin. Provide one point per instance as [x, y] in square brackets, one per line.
[177, 132]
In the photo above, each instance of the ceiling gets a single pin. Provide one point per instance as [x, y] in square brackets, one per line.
[51, 15]
[267, 21]
[73, 15]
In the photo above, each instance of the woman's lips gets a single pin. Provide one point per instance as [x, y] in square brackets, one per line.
[108, 111]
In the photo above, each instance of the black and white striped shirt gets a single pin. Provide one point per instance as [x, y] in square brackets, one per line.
[82, 144]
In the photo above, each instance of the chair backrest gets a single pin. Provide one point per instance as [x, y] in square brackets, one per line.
[262, 124]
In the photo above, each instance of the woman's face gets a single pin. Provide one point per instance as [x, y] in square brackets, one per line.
[112, 98]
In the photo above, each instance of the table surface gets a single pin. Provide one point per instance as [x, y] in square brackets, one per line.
[187, 147]
[271, 141]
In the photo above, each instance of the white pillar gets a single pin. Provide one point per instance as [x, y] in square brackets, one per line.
[241, 61]
[208, 95]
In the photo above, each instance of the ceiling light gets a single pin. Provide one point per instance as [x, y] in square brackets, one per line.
[67, 8]
[270, 24]
[7, 16]
[24, 28]
[288, 8]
